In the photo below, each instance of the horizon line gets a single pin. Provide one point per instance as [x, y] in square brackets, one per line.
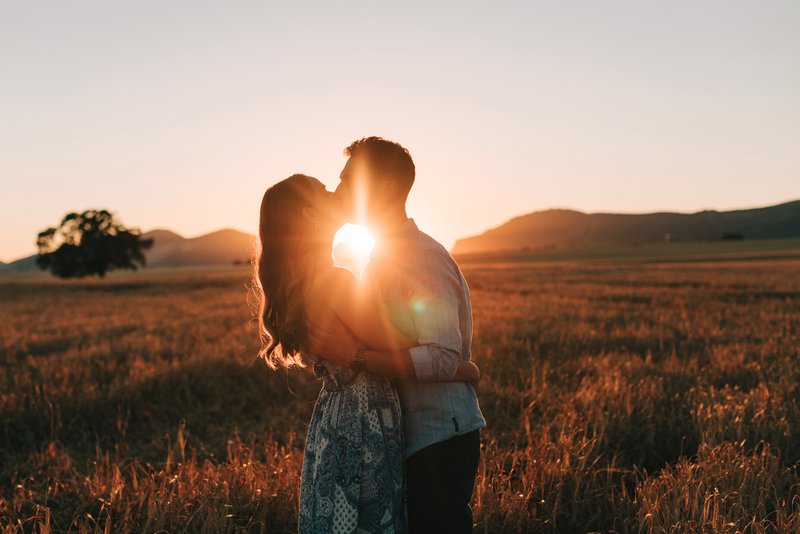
[652, 212]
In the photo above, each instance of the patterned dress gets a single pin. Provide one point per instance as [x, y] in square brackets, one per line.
[353, 473]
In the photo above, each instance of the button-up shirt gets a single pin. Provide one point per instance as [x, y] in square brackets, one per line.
[428, 299]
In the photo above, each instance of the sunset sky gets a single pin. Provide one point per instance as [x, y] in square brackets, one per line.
[179, 114]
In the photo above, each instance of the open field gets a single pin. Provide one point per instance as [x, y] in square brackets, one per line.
[664, 252]
[623, 396]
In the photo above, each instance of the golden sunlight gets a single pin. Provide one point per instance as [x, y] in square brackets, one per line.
[352, 246]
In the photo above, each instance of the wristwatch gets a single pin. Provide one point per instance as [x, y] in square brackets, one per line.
[358, 364]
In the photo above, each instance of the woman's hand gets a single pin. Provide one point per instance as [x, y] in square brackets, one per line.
[337, 346]
[467, 372]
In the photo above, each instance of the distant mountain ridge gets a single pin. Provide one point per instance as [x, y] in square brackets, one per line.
[563, 228]
[27, 263]
[542, 229]
[223, 247]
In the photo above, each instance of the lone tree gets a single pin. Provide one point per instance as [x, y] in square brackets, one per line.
[89, 243]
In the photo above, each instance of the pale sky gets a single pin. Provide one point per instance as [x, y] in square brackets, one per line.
[179, 115]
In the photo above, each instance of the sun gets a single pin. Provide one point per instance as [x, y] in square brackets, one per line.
[352, 246]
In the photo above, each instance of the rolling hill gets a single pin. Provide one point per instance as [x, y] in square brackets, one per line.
[222, 247]
[27, 263]
[559, 228]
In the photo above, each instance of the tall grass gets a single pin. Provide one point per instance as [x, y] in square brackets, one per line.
[620, 397]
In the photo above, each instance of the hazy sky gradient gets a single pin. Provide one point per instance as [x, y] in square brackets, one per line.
[179, 114]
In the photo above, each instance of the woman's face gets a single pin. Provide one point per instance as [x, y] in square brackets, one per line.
[327, 208]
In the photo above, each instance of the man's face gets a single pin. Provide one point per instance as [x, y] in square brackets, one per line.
[353, 192]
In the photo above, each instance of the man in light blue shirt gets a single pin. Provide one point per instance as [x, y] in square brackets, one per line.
[425, 297]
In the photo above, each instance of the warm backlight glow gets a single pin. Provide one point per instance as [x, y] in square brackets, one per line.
[356, 237]
[352, 246]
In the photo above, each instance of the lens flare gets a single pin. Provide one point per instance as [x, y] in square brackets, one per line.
[352, 246]
[418, 306]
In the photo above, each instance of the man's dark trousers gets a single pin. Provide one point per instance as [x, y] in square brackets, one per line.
[440, 481]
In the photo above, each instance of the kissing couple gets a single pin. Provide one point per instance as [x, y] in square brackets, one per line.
[393, 444]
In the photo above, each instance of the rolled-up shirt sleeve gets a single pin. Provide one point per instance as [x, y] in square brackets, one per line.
[434, 297]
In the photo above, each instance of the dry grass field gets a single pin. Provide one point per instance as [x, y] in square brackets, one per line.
[627, 397]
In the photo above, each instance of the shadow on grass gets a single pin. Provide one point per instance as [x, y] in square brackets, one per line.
[216, 398]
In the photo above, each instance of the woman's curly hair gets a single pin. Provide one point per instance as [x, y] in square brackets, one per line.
[281, 273]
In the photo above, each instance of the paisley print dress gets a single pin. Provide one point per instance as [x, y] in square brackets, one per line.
[353, 473]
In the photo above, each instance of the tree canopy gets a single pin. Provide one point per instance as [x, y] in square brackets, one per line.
[90, 243]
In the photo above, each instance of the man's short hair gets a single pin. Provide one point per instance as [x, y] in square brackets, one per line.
[387, 160]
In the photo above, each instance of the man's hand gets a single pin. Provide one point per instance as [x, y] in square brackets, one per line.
[467, 371]
[337, 346]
